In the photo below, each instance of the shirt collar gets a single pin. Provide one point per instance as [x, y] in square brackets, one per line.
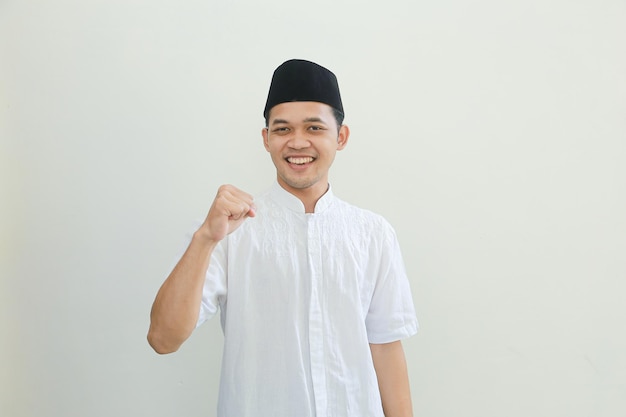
[293, 203]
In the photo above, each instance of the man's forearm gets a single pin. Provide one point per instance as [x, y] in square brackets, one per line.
[393, 379]
[177, 304]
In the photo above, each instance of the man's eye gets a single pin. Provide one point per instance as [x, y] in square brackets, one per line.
[280, 129]
[316, 128]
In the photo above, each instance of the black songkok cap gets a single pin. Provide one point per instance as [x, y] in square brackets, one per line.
[300, 80]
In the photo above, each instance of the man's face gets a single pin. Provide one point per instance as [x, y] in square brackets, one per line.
[302, 138]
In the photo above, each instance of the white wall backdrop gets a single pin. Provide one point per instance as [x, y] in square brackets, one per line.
[491, 134]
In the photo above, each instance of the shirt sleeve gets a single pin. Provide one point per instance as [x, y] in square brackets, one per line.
[391, 314]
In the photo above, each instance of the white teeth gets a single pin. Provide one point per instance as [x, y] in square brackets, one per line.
[300, 161]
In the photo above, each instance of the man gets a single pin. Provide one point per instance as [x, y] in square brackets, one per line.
[312, 291]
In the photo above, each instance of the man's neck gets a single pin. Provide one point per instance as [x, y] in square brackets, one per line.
[308, 196]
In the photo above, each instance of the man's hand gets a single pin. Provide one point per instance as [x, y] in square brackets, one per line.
[229, 210]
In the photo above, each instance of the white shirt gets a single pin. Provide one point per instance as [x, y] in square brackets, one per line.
[301, 297]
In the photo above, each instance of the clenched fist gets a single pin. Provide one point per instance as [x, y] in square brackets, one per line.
[229, 210]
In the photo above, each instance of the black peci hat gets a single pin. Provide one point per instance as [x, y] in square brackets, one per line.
[300, 80]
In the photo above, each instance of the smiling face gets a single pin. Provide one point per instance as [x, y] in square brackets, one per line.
[302, 138]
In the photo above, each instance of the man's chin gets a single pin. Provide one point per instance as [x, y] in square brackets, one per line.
[299, 184]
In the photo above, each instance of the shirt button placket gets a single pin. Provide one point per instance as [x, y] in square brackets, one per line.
[316, 318]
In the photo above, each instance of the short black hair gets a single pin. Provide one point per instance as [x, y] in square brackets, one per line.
[338, 116]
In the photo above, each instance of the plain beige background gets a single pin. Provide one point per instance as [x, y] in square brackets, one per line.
[491, 134]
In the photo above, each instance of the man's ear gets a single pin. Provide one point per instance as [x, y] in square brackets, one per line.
[265, 134]
[342, 138]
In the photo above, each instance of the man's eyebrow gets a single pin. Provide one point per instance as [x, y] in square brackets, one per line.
[307, 120]
[313, 120]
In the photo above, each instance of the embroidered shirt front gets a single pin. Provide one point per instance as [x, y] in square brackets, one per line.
[301, 296]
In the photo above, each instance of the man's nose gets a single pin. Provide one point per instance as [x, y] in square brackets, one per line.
[299, 141]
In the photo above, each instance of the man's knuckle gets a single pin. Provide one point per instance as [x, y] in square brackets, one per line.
[225, 188]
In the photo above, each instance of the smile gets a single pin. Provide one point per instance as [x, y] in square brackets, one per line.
[300, 160]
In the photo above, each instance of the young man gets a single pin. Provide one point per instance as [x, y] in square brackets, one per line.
[312, 291]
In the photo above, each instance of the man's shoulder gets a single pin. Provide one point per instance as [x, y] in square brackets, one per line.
[351, 212]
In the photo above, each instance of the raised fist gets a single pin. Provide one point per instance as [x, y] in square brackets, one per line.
[229, 210]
